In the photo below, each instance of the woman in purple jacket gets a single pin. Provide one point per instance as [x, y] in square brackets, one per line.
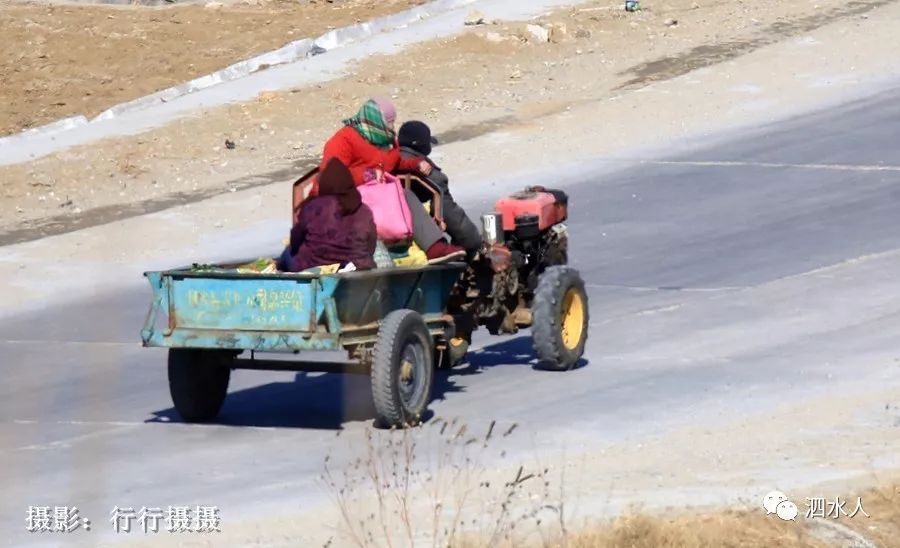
[334, 227]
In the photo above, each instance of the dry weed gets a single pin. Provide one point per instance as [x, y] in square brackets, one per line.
[432, 488]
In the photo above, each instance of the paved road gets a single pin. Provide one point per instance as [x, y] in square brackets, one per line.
[703, 307]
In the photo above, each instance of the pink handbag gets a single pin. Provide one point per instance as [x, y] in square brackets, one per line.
[387, 200]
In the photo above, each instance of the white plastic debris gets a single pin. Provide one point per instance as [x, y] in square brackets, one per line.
[539, 33]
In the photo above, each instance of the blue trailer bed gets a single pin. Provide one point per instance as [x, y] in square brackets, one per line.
[278, 312]
[388, 320]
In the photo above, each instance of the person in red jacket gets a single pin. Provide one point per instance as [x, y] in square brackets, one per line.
[367, 143]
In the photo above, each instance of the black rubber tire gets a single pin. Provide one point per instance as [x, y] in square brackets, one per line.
[402, 331]
[546, 330]
[198, 382]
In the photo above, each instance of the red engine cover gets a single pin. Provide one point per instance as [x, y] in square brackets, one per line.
[542, 204]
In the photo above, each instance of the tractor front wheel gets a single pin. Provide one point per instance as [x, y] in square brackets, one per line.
[560, 318]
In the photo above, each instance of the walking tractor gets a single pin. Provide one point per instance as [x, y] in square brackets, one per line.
[396, 325]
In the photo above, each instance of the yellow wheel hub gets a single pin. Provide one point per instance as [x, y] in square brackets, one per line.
[406, 371]
[572, 318]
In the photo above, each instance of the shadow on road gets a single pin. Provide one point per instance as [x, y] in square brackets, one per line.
[311, 400]
[517, 350]
[327, 401]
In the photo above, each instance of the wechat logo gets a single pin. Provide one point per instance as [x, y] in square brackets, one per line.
[777, 503]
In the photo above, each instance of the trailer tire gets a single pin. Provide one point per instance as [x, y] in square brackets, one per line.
[198, 382]
[560, 318]
[402, 369]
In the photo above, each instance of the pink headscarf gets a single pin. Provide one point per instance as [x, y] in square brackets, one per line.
[388, 110]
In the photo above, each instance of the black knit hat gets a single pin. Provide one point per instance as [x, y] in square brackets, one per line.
[417, 136]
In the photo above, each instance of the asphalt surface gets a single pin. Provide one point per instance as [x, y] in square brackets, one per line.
[705, 304]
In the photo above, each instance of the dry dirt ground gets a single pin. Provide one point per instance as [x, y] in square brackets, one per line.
[752, 528]
[491, 77]
[64, 60]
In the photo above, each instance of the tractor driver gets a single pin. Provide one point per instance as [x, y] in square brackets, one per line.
[415, 144]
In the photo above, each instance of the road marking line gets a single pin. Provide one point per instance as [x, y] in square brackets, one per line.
[775, 165]
[667, 289]
[139, 423]
[80, 423]
[67, 442]
[113, 427]
[95, 343]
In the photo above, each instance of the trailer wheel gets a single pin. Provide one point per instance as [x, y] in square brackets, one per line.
[561, 317]
[198, 382]
[402, 369]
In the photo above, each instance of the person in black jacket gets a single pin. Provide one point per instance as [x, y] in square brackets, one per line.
[415, 143]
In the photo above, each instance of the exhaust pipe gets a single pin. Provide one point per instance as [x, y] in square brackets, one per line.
[492, 228]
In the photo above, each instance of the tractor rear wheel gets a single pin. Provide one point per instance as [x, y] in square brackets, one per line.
[198, 382]
[561, 318]
[402, 369]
